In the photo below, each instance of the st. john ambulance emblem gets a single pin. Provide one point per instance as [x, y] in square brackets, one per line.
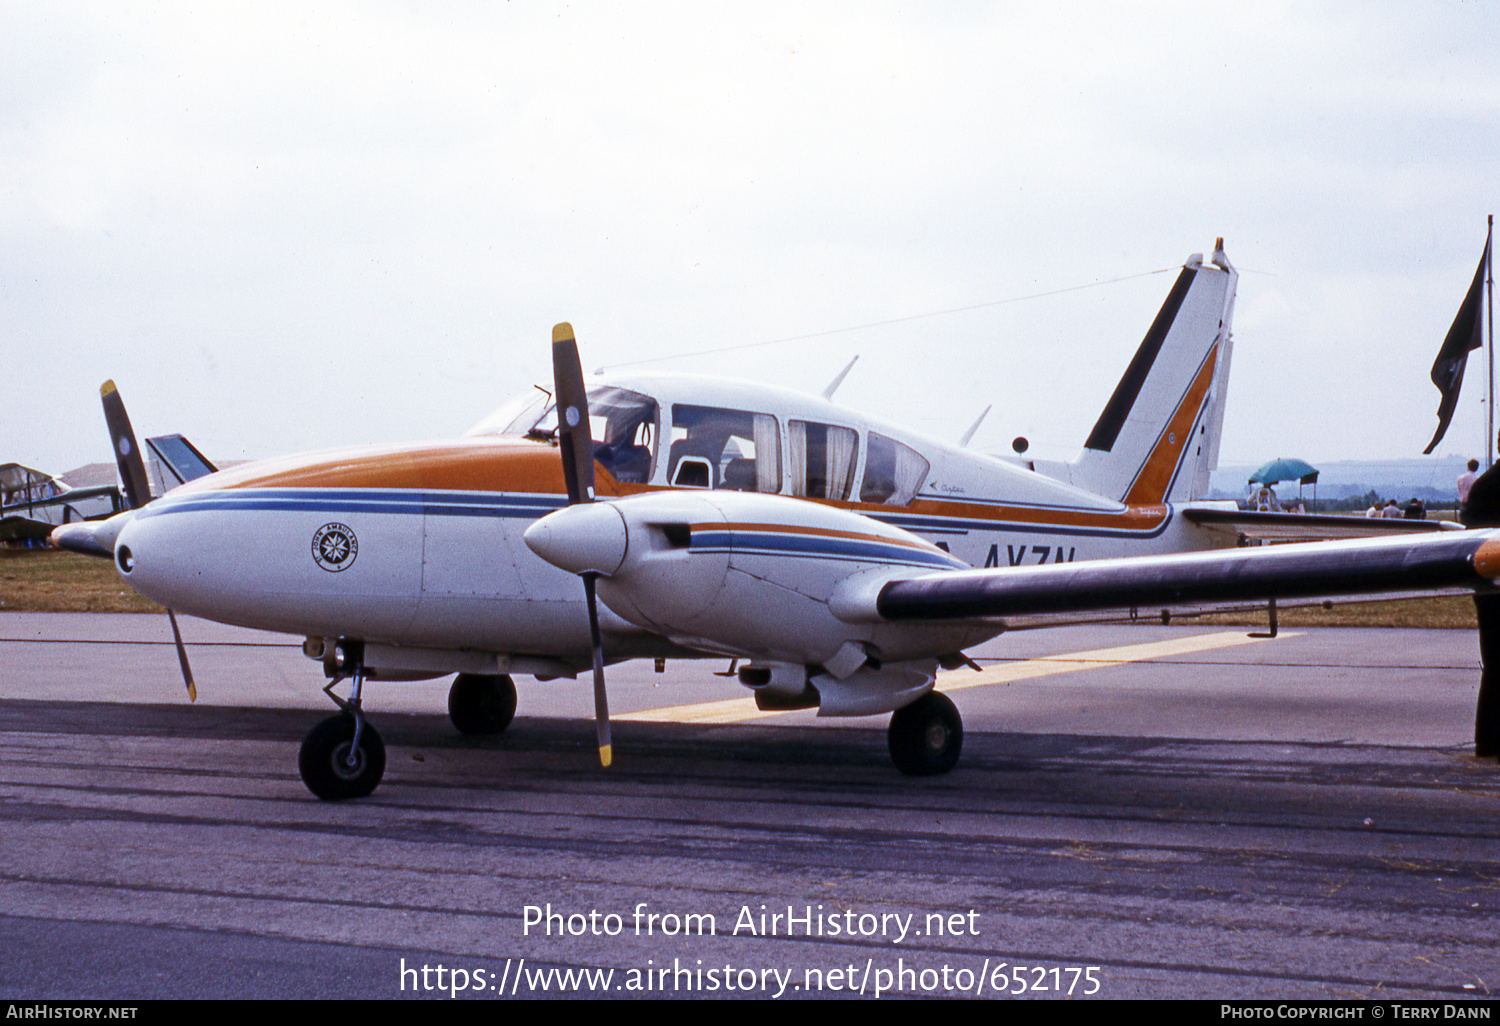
[334, 547]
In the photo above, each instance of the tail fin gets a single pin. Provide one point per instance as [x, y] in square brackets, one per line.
[179, 458]
[1158, 437]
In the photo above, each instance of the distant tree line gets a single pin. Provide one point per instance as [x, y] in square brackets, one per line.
[1432, 498]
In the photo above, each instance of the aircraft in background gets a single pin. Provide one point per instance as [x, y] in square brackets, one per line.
[32, 503]
[840, 558]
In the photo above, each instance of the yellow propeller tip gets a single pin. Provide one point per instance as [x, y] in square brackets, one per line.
[107, 387]
[606, 755]
[192, 693]
[563, 332]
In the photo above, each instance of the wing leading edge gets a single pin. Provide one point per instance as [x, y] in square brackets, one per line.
[1366, 566]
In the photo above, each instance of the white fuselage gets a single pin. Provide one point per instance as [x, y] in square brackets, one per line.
[420, 546]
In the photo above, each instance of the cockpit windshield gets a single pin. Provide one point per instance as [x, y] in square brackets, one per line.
[623, 423]
[517, 417]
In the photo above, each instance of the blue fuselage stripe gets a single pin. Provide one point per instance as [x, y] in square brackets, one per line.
[341, 501]
[412, 502]
[778, 543]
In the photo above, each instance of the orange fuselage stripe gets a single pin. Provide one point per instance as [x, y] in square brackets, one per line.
[515, 465]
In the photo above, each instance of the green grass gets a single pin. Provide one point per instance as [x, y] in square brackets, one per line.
[1441, 612]
[48, 581]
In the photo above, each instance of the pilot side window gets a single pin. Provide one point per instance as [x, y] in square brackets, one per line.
[893, 472]
[718, 448]
[822, 460]
[623, 424]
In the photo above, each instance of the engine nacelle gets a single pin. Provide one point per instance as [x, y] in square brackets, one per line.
[752, 576]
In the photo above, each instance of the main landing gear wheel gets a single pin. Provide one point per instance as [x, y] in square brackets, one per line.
[332, 768]
[926, 737]
[481, 703]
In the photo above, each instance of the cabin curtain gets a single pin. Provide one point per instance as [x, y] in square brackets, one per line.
[797, 449]
[842, 445]
[911, 471]
[767, 454]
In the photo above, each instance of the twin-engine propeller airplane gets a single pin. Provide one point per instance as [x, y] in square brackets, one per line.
[840, 559]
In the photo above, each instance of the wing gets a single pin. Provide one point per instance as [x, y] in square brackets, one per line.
[785, 580]
[1368, 566]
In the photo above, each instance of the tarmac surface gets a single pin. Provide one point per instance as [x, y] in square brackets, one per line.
[1140, 811]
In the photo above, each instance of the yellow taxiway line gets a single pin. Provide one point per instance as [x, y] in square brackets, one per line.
[736, 710]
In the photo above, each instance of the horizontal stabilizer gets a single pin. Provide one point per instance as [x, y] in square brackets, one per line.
[1279, 527]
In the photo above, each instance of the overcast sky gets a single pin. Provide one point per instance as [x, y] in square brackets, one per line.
[280, 227]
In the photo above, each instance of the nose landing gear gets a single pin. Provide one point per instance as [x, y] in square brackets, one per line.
[343, 756]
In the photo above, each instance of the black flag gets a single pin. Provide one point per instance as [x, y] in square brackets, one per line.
[1448, 369]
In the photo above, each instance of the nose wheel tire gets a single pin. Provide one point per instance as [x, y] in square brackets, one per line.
[332, 768]
[481, 704]
[927, 736]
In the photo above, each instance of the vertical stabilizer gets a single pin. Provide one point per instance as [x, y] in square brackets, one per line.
[1158, 437]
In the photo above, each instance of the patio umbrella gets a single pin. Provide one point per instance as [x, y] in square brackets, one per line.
[1288, 470]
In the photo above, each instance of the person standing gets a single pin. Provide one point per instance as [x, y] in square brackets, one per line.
[1465, 482]
[1484, 511]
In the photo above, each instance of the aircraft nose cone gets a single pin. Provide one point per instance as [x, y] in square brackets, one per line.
[587, 538]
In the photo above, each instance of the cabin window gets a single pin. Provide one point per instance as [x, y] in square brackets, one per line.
[822, 460]
[623, 424]
[893, 472]
[717, 448]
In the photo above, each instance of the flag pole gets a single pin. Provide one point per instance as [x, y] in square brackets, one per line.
[1489, 259]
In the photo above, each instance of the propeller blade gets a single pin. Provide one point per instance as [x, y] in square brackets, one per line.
[573, 438]
[601, 700]
[187, 671]
[137, 493]
[127, 452]
[576, 445]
